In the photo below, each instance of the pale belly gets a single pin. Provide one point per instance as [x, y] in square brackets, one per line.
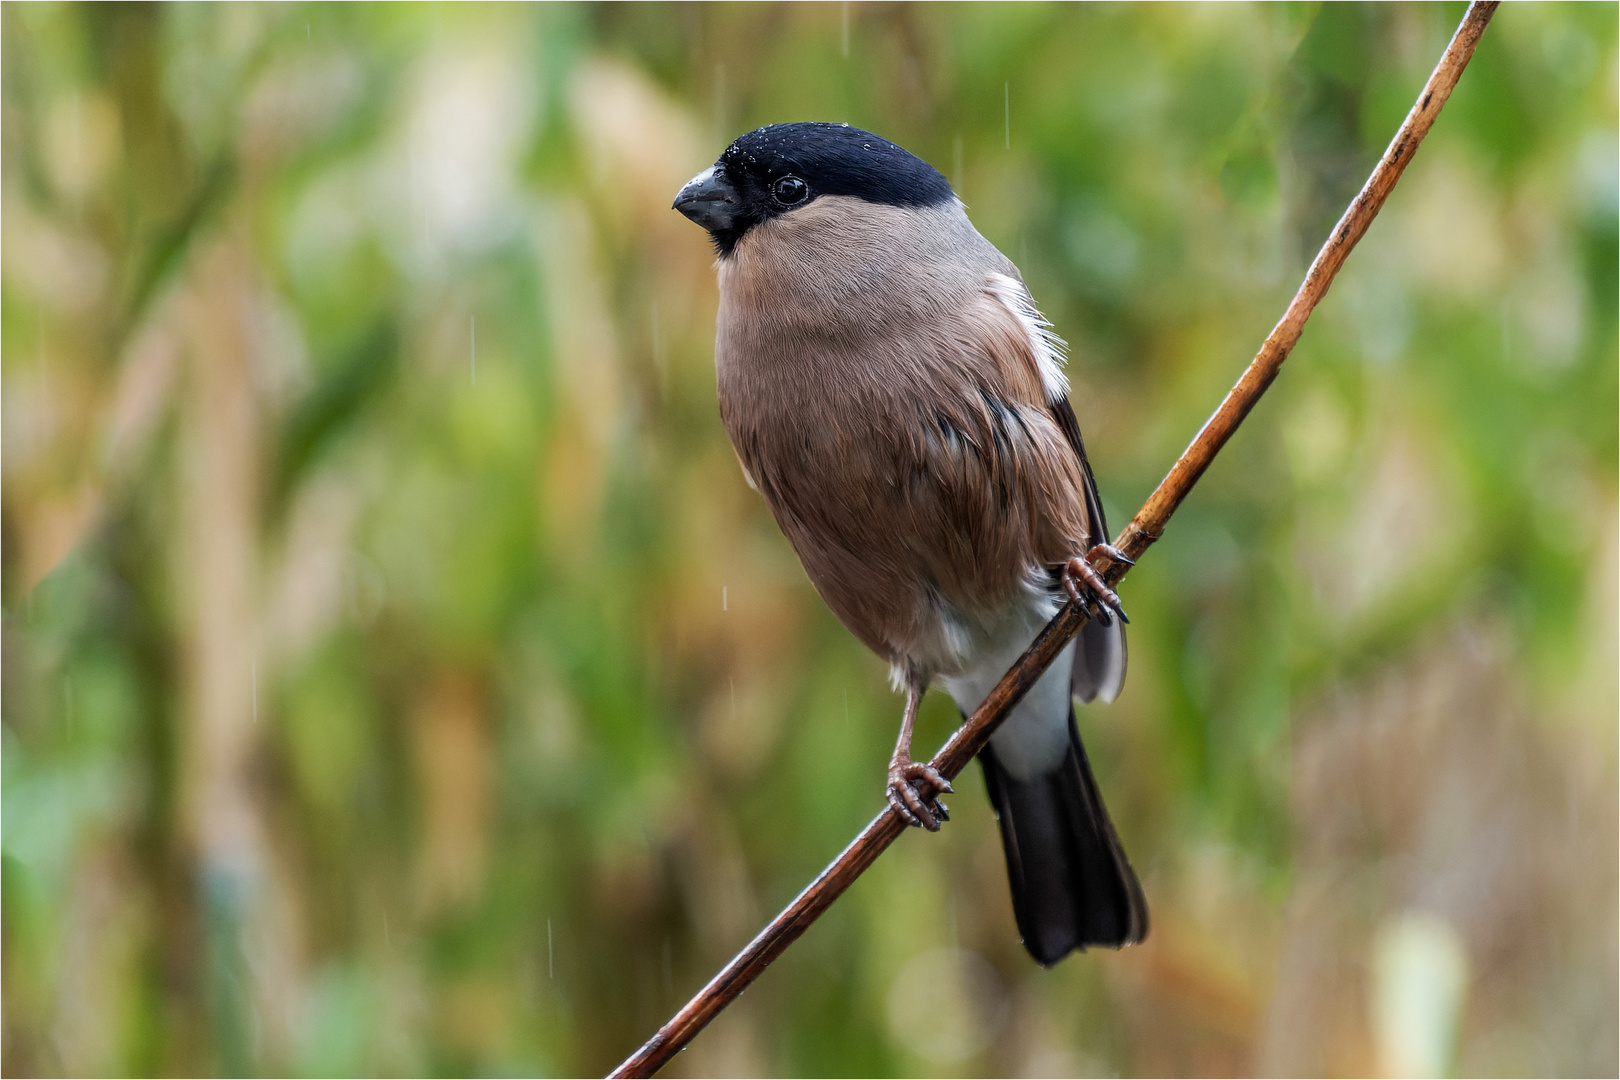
[1033, 740]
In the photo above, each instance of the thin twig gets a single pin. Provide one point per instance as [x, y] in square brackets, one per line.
[1146, 527]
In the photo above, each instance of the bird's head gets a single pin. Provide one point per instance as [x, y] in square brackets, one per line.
[779, 168]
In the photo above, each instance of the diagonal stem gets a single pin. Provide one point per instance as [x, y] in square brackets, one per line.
[1143, 529]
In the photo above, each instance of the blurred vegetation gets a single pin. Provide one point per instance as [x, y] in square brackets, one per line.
[400, 677]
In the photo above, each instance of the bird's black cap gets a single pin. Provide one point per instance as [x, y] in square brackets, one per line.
[779, 167]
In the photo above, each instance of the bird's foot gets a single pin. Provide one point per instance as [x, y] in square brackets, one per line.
[908, 780]
[1087, 588]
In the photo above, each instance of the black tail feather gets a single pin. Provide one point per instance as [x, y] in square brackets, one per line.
[1072, 886]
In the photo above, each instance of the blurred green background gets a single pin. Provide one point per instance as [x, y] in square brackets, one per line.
[400, 677]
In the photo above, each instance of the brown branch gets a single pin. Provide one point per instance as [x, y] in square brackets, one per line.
[1146, 527]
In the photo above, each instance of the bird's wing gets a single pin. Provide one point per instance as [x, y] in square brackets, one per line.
[1099, 663]
[1071, 431]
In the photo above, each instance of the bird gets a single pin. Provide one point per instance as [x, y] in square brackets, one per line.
[894, 394]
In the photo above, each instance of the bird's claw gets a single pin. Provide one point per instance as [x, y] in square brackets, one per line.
[905, 791]
[1112, 552]
[1087, 588]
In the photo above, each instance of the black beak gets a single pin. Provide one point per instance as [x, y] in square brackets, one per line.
[709, 200]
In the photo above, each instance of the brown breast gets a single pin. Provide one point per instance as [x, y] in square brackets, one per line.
[890, 409]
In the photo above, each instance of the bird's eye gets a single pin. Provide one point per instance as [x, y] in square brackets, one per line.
[790, 190]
